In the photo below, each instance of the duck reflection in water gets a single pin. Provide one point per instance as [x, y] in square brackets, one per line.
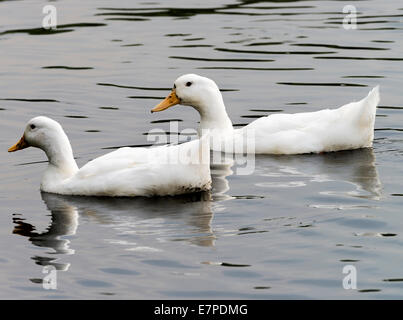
[355, 167]
[165, 217]
[194, 211]
[220, 168]
[64, 222]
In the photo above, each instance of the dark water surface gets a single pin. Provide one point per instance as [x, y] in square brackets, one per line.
[285, 231]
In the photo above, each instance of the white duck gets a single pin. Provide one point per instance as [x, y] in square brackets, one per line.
[348, 127]
[158, 171]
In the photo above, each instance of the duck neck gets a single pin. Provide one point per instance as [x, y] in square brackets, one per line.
[61, 162]
[213, 116]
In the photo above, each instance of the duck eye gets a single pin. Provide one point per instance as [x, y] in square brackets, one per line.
[33, 126]
[188, 84]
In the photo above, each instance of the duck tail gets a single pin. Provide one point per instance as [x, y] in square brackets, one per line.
[366, 116]
[368, 108]
[373, 99]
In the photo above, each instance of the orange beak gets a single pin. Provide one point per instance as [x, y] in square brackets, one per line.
[171, 100]
[21, 144]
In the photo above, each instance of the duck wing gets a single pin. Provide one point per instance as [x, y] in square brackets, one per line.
[166, 170]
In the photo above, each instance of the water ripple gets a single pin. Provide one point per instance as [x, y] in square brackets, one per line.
[324, 84]
[67, 68]
[333, 46]
[256, 69]
[60, 29]
[221, 59]
[274, 52]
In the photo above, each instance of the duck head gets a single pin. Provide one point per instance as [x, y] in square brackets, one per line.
[191, 90]
[40, 132]
[202, 94]
[48, 135]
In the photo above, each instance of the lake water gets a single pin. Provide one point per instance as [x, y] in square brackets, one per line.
[285, 231]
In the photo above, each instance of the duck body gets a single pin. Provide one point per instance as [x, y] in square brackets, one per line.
[348, 127]
[138, 172]
[155, 171]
